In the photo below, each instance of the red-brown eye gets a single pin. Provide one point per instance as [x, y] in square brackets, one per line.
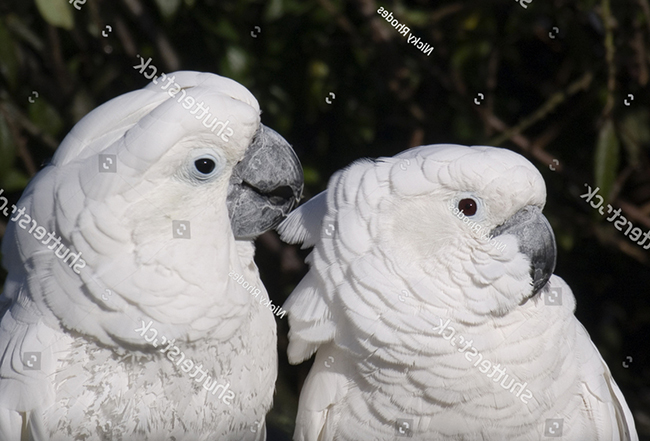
[467, 207]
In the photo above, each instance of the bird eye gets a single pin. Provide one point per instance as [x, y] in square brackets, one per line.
[205, 165]
[467, 206]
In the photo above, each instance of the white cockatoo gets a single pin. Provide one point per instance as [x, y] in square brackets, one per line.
[432, 308]
[132, 306]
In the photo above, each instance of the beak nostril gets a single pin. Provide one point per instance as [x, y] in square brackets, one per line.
[277, 196]
[284, 192]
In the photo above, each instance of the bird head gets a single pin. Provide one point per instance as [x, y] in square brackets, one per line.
[161, 191]
[474, 212]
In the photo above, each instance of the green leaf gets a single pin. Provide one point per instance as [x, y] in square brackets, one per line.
[82, 104]
[470, 23]
[606, 163]
[45, 117]
[312, 177]
[274, 10]
[7, 148]
[415, 18]
[565, 239]
[237, 60]
[635, 133]
[226, 30]
[3, 274]
[14, 180]
[8, 57]
[10, 178]
[318, 69]
[470, 53]
[57, 12]
[168, 8]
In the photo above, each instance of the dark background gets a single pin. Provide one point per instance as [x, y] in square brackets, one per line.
[558, 101]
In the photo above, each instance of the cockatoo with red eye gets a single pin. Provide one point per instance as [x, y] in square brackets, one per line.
[121, 317]
[433, 310]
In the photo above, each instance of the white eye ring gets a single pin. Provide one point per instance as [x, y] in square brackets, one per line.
[205, 166]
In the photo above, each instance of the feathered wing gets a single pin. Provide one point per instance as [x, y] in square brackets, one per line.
[318, 223]
[340, 224]
[304, 224]
[605, 405]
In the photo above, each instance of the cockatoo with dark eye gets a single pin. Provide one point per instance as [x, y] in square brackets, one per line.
[433, 311]
[133, 309]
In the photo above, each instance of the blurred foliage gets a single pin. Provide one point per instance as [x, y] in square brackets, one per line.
[558, 97]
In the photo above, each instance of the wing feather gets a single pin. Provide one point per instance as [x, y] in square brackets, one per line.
[304, 224]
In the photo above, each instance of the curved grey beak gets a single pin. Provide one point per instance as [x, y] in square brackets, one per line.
[265, 186]
[536, 240]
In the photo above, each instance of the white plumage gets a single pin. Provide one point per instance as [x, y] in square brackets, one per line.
[406, 303]
[102, 376]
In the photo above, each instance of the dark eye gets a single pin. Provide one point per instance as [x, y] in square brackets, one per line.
[467, 207]
[205, 165]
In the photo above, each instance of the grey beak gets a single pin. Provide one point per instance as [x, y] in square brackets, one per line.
[265, 186]
[536, 240]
